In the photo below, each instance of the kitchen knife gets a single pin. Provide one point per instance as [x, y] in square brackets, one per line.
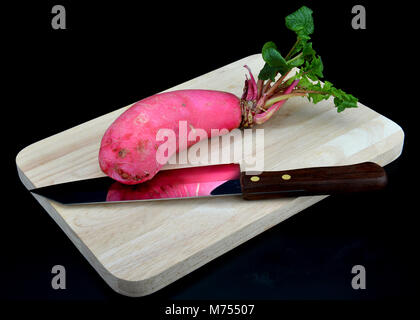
[222, 180]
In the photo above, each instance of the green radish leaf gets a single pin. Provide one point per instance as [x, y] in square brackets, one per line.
[301, 22]
[317, 66]
[308, 51]
[342, 100]
[303, 55]
[343, 104]
[274, 62]
[328, 86]
[273, 57]
[314, 68]
[317, 97]
[296, 61]
[269, 44]
[267, 72]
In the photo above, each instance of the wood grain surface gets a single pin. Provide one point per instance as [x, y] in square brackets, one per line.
[139, 248]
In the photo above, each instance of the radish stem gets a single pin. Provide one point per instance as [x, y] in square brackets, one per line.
[291, 50]
[272, 101]
[277, 84]
[264, 116]
[295, 57]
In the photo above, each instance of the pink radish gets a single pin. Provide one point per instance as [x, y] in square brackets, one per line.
[128, 147]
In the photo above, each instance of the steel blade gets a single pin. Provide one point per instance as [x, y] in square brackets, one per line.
[166, 185]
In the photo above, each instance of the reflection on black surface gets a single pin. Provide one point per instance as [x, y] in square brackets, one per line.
[177, 183]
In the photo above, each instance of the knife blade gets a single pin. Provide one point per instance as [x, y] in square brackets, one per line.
[221, 180]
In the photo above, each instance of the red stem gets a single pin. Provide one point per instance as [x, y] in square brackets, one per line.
[277, 84]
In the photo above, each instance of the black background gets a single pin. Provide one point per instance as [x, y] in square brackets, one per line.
[113, 54]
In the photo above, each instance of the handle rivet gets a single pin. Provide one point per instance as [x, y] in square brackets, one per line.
[286, 177]
[255, 178]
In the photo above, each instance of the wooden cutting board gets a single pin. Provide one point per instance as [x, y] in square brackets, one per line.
[139, 248]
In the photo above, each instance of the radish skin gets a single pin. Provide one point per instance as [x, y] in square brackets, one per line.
[129, 146]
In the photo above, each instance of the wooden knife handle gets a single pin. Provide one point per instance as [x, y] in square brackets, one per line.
[366, 176]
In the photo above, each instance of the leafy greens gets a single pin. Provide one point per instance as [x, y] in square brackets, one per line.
[302, 56]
